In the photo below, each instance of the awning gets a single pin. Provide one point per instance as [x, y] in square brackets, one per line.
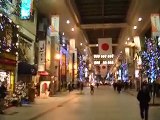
[25, 68]
[43, 73]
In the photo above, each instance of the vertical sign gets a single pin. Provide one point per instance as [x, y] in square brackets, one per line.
[155, 22]
[41, 60]
[54, 28]
[63, 68]
[48, 53]
[25, 9]
[72, 45]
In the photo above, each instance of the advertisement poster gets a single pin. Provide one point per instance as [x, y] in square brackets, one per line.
[44, 86]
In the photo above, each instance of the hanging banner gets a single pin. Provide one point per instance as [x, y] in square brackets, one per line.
[105, 46]
[72, 45]
[54, 28]
[63, 64]
[41, 56]
[48, 53]
[155, 22]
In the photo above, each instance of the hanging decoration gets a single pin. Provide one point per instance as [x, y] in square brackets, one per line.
[9, 34]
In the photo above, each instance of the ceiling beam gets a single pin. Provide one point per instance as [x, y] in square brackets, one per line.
[96, 45]
[101, 26]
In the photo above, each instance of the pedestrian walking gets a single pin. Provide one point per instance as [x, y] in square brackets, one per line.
[97, 84]
[81, 87]
[91, 89]
[119, 86]
[69, 87]
[144, 99]
[3, 91]
[114, 85]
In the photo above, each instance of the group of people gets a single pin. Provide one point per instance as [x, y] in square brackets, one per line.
[117, 86]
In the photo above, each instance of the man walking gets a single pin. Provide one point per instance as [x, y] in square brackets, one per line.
[2, 96]
[144, 99]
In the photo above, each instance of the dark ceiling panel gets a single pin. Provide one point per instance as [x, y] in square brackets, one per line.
[94, 50]
[102, 11]
[93, 35]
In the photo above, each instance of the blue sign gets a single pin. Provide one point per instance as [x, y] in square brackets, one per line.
[25, 9]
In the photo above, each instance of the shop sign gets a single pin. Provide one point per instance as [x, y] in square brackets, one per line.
[48, 53]
[41, 60]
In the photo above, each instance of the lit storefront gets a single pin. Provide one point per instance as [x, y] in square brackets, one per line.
[9, 34]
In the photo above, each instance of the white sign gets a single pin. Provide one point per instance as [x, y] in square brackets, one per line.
[103, 56]
[54, 28]
[72, 45]
[105, 46]
[41, 56]
[155, 22]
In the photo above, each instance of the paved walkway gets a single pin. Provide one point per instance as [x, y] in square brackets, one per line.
[105, 104]
[133, 92]
[39, 107]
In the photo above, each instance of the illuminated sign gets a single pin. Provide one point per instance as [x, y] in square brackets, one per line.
[25, 9]
[104, 62]
[103, 56]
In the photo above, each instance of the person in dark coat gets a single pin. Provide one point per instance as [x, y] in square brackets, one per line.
[69, 87]
[144, 99]
[119, 86]
[114, 85]
[3, 91]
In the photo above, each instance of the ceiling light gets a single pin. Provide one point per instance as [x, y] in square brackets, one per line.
[81, 44]
[72, 29]
[139, 19]
[135, 27]
[68, 22]
[97, 45]
[128, 39]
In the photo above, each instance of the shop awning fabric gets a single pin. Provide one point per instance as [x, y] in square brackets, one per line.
[25, 68]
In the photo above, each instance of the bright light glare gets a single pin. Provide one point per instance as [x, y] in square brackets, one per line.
[57, 56]
[72, 29]
[139, 19]
[135, 27]
[68, 22]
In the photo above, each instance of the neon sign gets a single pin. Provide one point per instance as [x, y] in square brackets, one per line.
[25, 9]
